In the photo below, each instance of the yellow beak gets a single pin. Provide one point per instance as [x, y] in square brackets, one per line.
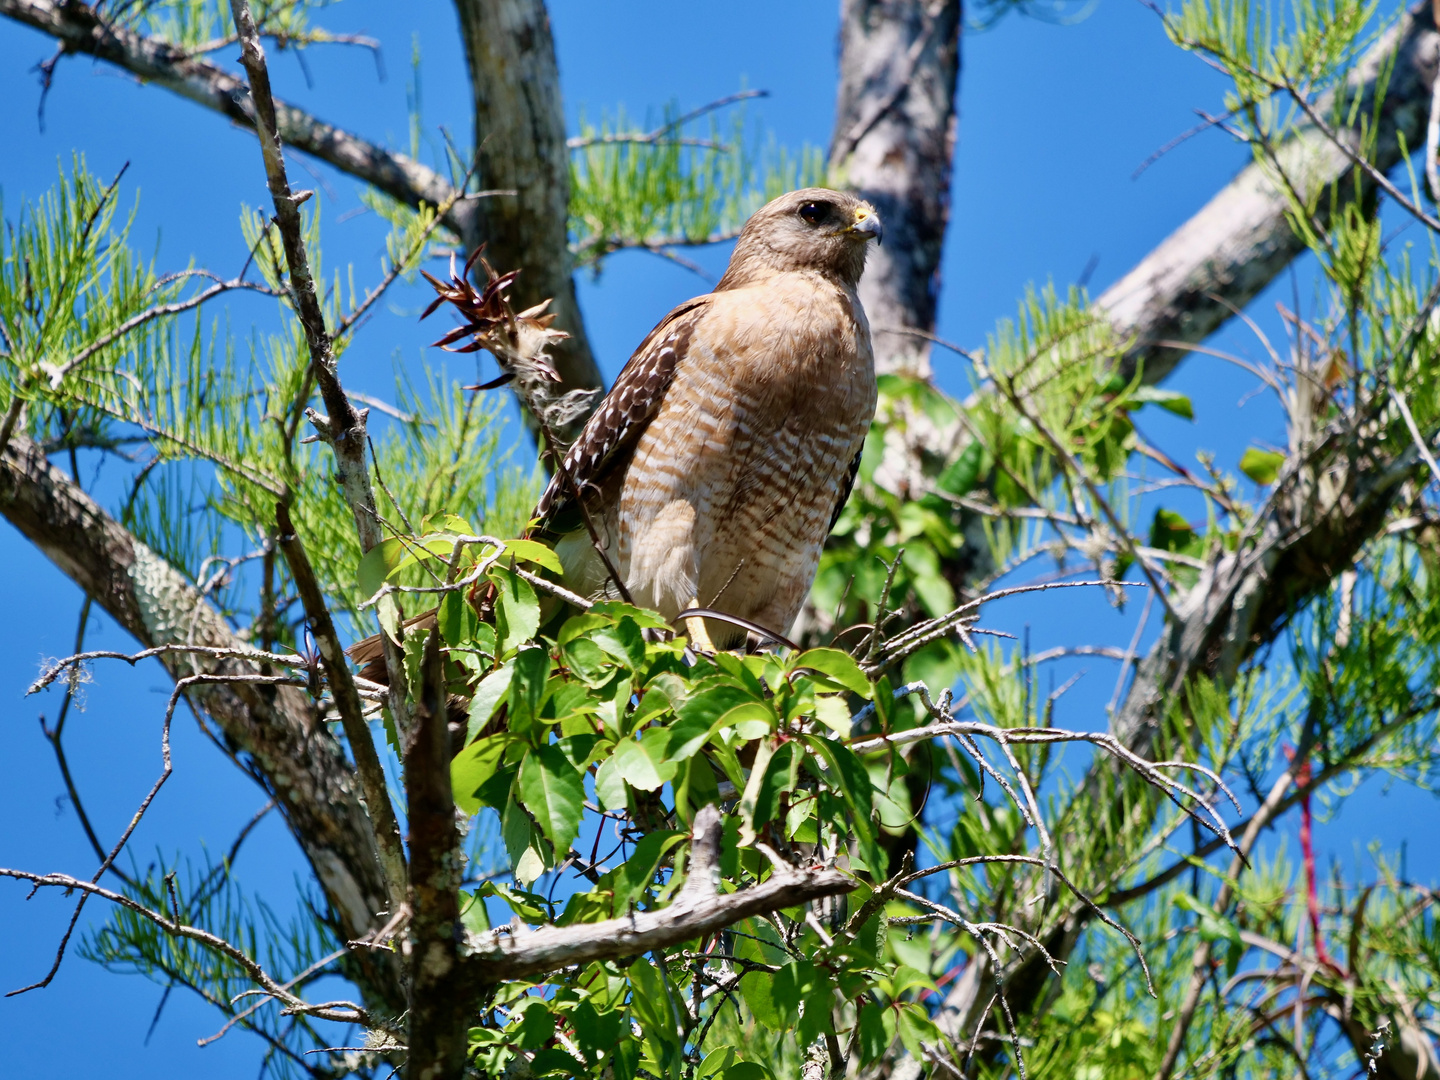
[867, 224]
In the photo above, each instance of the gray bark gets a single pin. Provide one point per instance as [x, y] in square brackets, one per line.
[894, 140]
[520, 146]
[519, 133]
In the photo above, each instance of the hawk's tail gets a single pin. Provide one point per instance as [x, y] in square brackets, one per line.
[370, 652]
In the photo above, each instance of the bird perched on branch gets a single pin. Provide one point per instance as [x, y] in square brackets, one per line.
[714, 469]
[718, 463]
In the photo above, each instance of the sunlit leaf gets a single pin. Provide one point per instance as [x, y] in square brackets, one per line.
[1262, 466]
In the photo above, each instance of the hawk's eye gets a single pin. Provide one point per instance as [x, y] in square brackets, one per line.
[813, 213]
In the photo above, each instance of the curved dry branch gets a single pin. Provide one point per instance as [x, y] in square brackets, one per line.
[344, 1012]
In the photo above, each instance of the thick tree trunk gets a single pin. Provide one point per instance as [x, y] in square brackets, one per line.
[520, 145]
[893, 144]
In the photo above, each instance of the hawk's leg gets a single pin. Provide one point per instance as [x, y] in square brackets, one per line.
[699, 637]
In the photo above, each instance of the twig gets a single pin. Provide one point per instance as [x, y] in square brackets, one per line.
[1420, 443]
[55, 737]
[181, 685]
[342, 1011]
[580, 142]
[343, 429]
[81, 31]
[390, 850]
[1200, 966]
[54, 671]
[57, 373]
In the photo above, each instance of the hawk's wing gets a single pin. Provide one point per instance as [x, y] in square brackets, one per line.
[847, 489]
[611, 433]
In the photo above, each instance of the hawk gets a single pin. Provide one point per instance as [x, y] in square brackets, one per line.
[715, 468]
[718, 463]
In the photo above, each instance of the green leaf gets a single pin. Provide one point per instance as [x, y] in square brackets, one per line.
[488, 695]
[610, 785]
[588, 661]
[747, 1070]
[874, 1040]
[750, 798]
[532, 551]
[387, 610]
[532, 676]
[523, 843]
[831, 711]
[377, 564]
[517, 610]
[554, 791]
[686, 737]
[1170, 531]
[1169, 400]
[721, 1057]
[457, 619]
[643, 764]
[838, 666]
[709, 705]
[651, 1002]
[1214, 928]
[594, 1030]
[555, 1062]
[752, 720]
[633, 876]
[917, 1030]
[962, 474]
[779, 778]
[580, 749]
[695, 786]
[445, 522]
[473, 766]
[618, 610]
[758, 990]
[847, 775]
[536, 1026]
[473, 916]
[624, 641]
[1262, 466]
[385, 558]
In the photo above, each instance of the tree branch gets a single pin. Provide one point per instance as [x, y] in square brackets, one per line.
[81, 29]
[699, 909]
[520, 146]
[441, 1007]
[894, 139]
[275, 728]
[1240, 240]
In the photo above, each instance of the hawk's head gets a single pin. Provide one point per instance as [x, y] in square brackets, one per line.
[809, 229]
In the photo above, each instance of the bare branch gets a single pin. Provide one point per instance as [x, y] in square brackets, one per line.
[341, 1011]
[1240, 240]
[699, 909]
[82, 29]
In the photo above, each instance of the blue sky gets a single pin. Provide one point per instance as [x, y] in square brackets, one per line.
[1054, 121]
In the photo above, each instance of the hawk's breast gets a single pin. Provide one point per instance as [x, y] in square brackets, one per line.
[733, 484]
